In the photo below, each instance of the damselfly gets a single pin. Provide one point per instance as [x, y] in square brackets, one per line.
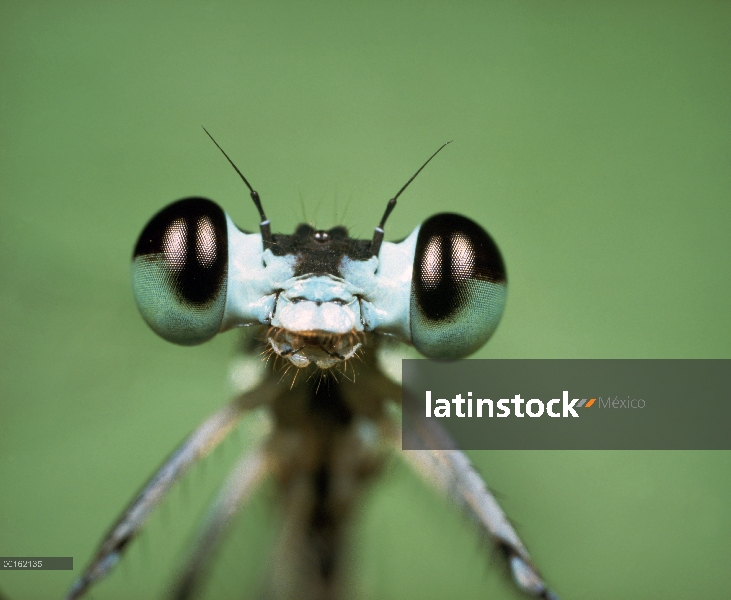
[324, 304]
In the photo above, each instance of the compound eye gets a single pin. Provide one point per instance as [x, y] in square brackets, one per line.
[179, 271]
[458, 287]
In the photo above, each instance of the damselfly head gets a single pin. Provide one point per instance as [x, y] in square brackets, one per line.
[321, 293]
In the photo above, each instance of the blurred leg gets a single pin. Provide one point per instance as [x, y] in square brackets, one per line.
[195, 447]
[239, 487]
[450, 471]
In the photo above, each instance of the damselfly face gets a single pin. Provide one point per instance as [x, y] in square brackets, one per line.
[321, 293]
[320, 298]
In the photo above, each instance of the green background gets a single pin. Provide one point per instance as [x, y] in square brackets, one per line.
[593, 140]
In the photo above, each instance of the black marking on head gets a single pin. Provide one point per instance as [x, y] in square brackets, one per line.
[320, 252]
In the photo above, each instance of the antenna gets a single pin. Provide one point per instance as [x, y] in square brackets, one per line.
[378, 233]
[264, 225]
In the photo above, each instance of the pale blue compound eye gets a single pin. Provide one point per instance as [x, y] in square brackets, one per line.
[179, 271]
[458, 287]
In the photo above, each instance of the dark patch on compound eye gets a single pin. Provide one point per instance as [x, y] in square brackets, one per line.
[189, 240]
[452, 252]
